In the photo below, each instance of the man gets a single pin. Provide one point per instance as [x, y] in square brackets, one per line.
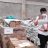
[43, 36]
[42, 15]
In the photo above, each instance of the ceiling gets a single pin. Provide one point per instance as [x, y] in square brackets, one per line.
[46, 1]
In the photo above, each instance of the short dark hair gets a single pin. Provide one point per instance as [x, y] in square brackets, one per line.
[43, 10]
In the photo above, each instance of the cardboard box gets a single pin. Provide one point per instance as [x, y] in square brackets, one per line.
[14, 23]
[18, 22]
[19, 32]
[21, 44]
[5, 37]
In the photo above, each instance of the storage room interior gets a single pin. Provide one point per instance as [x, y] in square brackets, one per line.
[18, 28]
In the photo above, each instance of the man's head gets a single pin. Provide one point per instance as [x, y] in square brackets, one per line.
[43, 10]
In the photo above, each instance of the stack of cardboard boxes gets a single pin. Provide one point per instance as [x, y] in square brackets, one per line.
[15, 30]
[16, 37]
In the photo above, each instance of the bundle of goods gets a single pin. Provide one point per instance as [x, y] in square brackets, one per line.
[20, 44]
[32, 35]
[14, 23]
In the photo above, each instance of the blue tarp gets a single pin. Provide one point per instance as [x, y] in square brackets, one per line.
[11, 17]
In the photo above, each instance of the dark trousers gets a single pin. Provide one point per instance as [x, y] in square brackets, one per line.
[43, 40]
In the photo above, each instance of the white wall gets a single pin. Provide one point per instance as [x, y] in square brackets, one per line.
[14, 1]
[10, 9]
[21, 8]
[46, 1]
[33, 8]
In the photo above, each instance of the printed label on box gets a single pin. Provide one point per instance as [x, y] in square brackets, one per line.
[8, 30]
